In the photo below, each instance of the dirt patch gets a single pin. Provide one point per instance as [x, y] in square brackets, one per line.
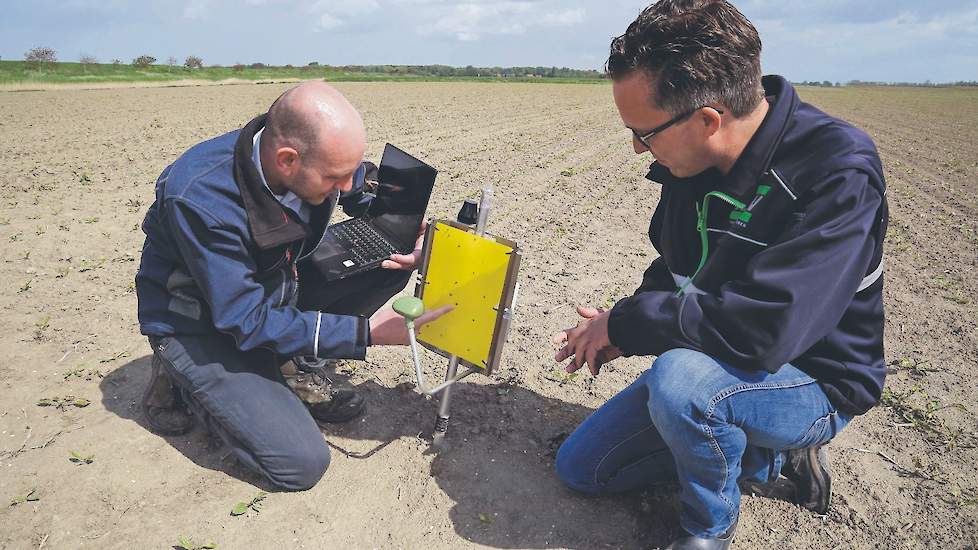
[78, 175]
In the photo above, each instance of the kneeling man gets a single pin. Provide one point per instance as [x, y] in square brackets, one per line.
[765, 307]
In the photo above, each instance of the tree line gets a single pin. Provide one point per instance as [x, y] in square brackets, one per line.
[43, 55]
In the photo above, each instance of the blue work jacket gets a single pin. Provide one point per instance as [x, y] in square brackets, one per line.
[220, 255]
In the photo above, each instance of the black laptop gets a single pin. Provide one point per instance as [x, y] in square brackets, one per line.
[390, 225]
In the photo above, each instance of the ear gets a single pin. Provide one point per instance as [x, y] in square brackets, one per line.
[711, 120]
[286, 161]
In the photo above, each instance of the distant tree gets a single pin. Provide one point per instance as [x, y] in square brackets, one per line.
[41, 54]
[257, 65]
[117, 61]
[193, 62]
[86, 59]
[313, 64]
[238, 67]
[144, 61]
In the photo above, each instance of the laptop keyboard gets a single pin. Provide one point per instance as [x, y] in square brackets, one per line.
[366, 244]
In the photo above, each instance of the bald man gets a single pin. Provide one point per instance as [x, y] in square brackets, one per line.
[219, 287]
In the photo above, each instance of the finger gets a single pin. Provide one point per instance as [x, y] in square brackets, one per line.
[434, 314]
[559, 338]
[586, 312]
[562, 353]
[403, 260]
[571, 368]
[592, 363]
[390, 264]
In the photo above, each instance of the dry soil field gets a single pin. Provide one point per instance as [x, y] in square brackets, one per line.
[77, 170]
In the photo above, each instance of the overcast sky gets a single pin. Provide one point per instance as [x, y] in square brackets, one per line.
[836, 40]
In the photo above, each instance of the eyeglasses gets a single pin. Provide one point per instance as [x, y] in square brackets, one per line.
[644, 138]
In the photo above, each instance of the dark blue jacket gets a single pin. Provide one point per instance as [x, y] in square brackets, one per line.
[220, 254]
[793, 258]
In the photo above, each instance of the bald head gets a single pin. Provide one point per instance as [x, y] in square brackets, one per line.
[314, 118]
[313, 142]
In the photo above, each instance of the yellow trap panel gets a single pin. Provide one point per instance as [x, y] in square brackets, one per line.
[468, 272]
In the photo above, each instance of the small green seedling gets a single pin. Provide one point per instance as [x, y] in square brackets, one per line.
[31, 496]
[485, 518]
[561, 376]
[78, 458]
[119, 355]
[26, 286]
[84, 373]
[242, 507]
[188, 544]
[62, 403]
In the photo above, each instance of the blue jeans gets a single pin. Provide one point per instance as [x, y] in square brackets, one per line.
[242, 397]
[708, 425]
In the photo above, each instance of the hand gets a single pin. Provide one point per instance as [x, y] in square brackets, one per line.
[388, 328]
[410, 261]
[588, 342]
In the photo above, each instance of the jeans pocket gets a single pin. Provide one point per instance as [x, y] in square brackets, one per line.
[821, 431]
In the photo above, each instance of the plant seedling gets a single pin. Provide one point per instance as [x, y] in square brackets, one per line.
[78, 458]
[31, 496]
[188, 544]
[242, 507]
[561, 377]
[62, 403]
[26, 286]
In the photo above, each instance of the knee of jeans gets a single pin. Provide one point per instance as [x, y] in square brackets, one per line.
[302, 470]
[673, 381]
[572, 473]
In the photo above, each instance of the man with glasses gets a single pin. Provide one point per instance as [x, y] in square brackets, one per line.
[765, 306]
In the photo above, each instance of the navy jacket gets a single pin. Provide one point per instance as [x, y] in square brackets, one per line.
[220, 255]
[793, 262]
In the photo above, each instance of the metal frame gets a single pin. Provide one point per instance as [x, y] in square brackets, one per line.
[504, 309]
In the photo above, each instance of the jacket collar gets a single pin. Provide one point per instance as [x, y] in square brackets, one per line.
[270, 225]
[755, 161]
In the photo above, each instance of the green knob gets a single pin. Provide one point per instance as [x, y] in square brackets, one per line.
[409, 306]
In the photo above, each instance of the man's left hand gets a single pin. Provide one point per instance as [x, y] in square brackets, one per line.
[408, 262]
[588, 342]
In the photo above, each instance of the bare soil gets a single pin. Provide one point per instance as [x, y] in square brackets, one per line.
[78, 171]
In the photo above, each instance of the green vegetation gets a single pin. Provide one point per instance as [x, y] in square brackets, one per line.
[20, 72]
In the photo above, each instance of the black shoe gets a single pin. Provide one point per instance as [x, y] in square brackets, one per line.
[325, 401]
[806, 480]
[163, 407]
[692, 542]
[808, 469]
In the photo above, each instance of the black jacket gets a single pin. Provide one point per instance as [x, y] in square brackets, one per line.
[792, 272]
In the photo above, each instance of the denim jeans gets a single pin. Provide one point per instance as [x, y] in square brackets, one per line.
[242, 397]
[705, 424]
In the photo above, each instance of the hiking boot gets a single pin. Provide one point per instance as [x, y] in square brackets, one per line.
[163, 406]
[692, 542]
[326, 401]
[806, 480]
[808, 469]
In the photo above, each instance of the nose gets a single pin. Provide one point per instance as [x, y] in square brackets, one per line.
[639, 146]
[346, 185]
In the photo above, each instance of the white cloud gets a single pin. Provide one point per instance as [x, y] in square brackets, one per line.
[565, 18]
[472, 20]
[336, 13]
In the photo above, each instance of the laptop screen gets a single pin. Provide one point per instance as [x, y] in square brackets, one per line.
[404, 187]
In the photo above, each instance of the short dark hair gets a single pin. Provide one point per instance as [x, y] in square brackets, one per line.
[697, 52]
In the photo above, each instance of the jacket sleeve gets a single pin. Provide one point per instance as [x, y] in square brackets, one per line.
[656, 277]
[791, 294]
[224, 272]
[356, 201]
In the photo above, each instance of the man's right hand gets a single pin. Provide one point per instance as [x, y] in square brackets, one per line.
[388, 328]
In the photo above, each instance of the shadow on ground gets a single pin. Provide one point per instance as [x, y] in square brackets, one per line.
[497, 466]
